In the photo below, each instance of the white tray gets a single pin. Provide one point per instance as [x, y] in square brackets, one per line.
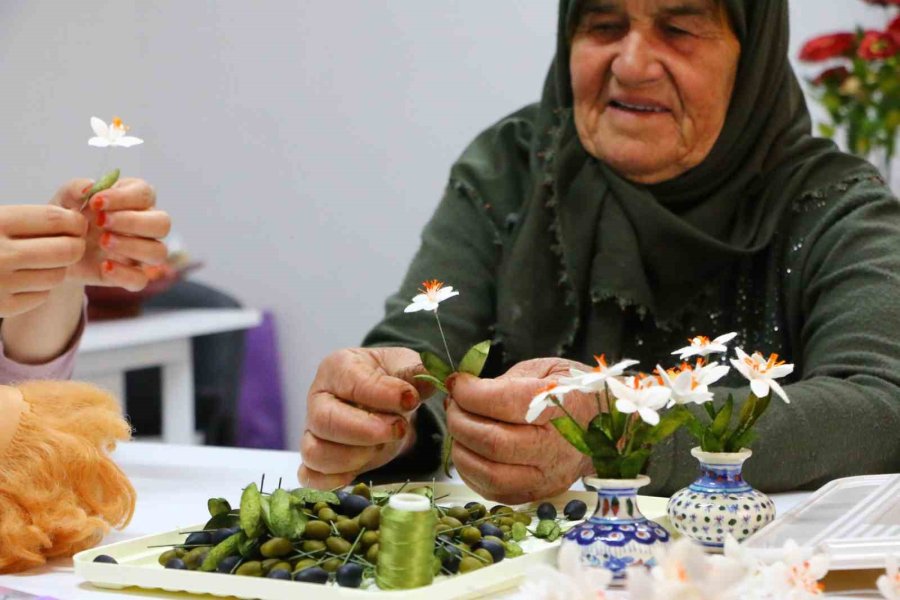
[855, 520]
[138, 566]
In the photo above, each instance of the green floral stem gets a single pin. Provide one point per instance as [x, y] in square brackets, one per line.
[629, 428]
[444, 339]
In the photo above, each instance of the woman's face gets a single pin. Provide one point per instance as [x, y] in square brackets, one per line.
[652, 80]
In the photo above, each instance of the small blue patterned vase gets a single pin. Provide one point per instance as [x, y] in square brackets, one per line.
[720, 502]
[617, 535]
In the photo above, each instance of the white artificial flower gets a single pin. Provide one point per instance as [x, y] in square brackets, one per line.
[112, 134]
[795, 577]
[640, 395]
[762, 373]
[432, 294]
[571, 581]
[543, 400]
[889, 583]
[703, 346]
[691, 385]
[684, 572]
[595, 379]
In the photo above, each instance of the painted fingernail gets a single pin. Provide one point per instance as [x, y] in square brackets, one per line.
[399, 428]
[101, 219]
[87, 188]
[106, 240]
[98, 202]
[108, 266]
[409, 400]
[450, 382]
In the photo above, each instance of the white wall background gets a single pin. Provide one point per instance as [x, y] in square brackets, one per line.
[299, 146]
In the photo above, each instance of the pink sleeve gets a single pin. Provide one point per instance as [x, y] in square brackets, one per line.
[60, 367]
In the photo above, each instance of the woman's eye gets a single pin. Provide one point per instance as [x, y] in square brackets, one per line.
[607, 28]
[675, 31]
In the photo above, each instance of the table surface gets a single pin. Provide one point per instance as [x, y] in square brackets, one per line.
[173, 484]
[164, 325]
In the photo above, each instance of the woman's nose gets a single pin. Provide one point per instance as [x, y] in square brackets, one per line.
[636, 62]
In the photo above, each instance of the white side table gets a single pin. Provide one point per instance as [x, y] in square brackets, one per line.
[157, 339]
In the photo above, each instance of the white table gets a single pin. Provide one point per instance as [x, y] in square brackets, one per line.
[156, 339]
[173, 484]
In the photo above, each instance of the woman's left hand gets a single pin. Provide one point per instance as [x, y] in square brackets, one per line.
[123, 235]
[497, 453]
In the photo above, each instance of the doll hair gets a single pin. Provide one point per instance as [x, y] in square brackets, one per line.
[59, 489]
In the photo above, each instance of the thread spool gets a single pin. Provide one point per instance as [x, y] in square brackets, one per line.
[406, 544]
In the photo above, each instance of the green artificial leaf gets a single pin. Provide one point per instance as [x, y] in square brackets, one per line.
[218, 506]
[281, 519]
[548, 529]
[607, 468]
[104, 183]
[247, 546]
[223, 521]
[740, 442]
[746, 411]
[572, 432]
[432, 380]
[310, 496]
[251, 511]
[603, 422]
[223, 549]
[723, 418]
[512, 549]
[435, 365]
[711, 443]
[761, 405]
[599, 445]
[695, 428]
[473, 361]
[447, 453]
[266, 511]
[633, 463]
[519, 532]
[668, 424]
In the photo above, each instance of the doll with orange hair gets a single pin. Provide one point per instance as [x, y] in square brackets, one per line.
[59, 489]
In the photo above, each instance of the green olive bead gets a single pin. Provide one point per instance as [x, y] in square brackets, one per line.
[348, 529]
[269, 563]
[523, 518]
[332, 564]
[440, 528]
[280, 566]
[305, 563]
[459, 513]
[370, 517]
[167, 556]
[368, 538]
[470, 535]
[470, 563]
[341, 518]
[319, 506]
[251, 568]
[276, 547]
[452, 522]
[194, 557]
[486, 555]
[501, 509]
[372, 553]
[317, 530]
[337, 545]
[508, 521]
[361, 489]
[316, 547]
[328, 515]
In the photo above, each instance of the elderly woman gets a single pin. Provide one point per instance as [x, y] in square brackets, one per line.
[666, 185]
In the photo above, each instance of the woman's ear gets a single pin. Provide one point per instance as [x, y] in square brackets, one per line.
[12, 404]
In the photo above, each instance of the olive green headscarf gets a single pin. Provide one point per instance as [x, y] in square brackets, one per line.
[652, 247]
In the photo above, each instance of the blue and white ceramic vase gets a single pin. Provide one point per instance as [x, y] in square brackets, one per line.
[617, 535]
[720, 502]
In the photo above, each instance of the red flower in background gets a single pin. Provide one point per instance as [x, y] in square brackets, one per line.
[876, 45]
[828, 46]
[833, 75]
[893, 29]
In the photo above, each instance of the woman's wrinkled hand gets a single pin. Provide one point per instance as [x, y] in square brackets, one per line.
[359, 413]
[124, 233]
[497, 453]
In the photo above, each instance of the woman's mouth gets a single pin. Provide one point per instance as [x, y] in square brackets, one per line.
[638, 106]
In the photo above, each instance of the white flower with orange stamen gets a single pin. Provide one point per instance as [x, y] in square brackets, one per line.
[595, 379]
[762, 372]
[640, 394]
[889, 583]
[432, 294]
[544, 399]
[795, 577]
[690, 385]
[571, 581]
[703, 346]
[112, 134]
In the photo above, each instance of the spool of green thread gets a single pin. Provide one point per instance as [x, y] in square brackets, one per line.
[406, 545]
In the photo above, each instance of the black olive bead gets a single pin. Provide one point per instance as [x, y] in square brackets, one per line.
[279, 574]
[496, 549]
[546, 511]
[451, 555]
[349, 575]
[489, 529]
[220, 535]
[227, 564]
[575, 510]
[176, 563]
[199, 538]
[352, 505]
[106, 558]
[312, 575]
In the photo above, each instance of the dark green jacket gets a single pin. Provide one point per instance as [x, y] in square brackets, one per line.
[824, 294]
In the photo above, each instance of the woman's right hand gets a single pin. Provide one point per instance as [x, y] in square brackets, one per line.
[37, 245]
[359, 413]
